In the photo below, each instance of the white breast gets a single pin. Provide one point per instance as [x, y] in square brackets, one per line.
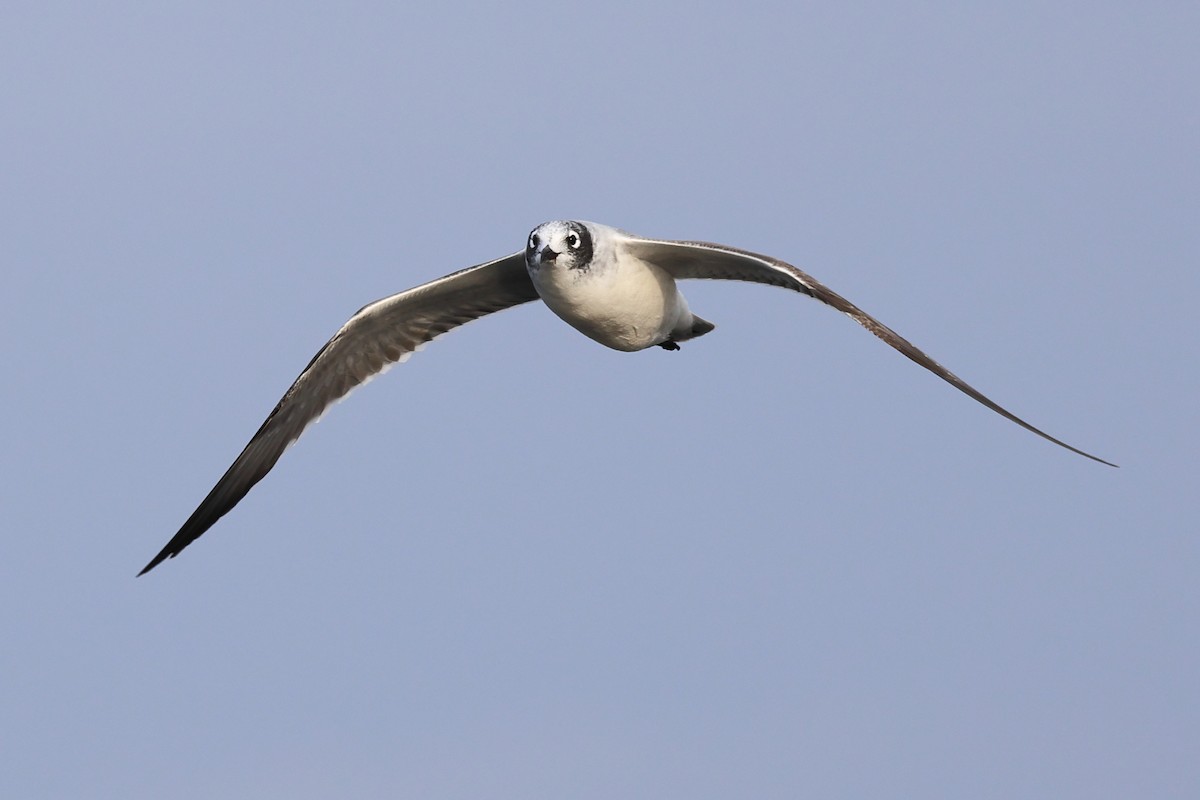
[621, 302]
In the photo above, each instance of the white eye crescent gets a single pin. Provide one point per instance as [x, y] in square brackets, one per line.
[533, 241]
[572, 240]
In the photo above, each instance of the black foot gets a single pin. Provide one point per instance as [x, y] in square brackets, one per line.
[668, 345]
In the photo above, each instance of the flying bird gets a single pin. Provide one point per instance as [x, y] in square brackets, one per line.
[610, 285]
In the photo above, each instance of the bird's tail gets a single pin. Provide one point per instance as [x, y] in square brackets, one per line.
[700, 326]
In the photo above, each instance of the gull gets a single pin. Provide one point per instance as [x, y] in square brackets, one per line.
[612, 286]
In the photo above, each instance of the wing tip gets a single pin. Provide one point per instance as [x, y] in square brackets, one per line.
[154, 562]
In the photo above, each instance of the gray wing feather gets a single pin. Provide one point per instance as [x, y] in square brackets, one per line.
[378, 335]
[707, 260]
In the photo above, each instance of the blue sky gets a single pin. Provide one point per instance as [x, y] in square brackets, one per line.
[781, 562]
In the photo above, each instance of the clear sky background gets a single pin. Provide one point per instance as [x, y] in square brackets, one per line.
[783, 562]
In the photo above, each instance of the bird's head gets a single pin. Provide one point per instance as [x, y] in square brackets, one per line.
[559, 245]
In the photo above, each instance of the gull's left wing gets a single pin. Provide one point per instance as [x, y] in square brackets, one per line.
[708, 260]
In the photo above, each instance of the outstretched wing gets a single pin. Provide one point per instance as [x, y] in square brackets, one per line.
[707, 260]
[379, 335]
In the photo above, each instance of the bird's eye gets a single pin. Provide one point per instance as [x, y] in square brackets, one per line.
[572, 240]
[533, 241]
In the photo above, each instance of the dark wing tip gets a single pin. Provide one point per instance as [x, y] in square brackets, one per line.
[1098, 458]
[158, 559]
[200, 521]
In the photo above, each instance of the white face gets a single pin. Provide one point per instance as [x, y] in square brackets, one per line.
[559, 245]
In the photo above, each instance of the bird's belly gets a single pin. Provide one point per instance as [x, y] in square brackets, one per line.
[628, 311]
